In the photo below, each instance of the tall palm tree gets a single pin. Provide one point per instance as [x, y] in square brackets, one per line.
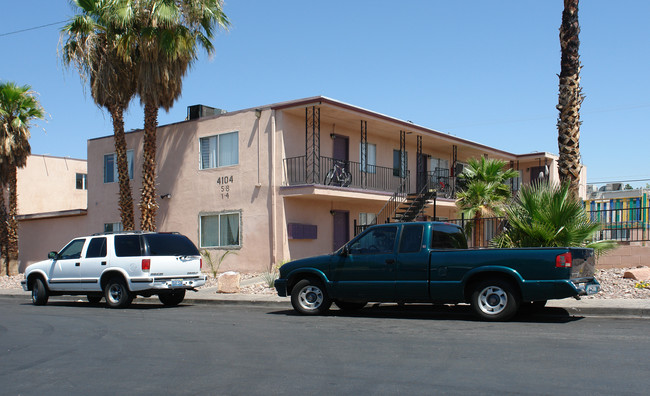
[485, 192]
[18, 109]
[91, 39]
[165, 36]
[570, 98]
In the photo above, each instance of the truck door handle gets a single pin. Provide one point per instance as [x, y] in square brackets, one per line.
[77, 264]
[390, 261]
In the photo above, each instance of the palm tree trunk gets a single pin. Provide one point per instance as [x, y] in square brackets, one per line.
[4, 242]
[126, 199]
[148, 205]
[570, 98]
[12, 223]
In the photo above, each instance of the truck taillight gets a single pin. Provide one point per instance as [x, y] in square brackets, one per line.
[146, 264]
[563, 260]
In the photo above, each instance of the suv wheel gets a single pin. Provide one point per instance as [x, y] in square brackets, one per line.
[39, 292]
[172, 299]
[117, 294]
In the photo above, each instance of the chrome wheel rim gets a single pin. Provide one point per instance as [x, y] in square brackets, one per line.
[115, 293]
[492, 300]
[34, 293]
[310, 297]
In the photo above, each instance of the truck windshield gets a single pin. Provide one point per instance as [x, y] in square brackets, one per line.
[448, 237]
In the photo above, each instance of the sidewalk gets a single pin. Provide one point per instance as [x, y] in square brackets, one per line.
[638, 308]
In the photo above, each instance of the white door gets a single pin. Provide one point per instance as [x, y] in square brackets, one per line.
[66, 267]
[94, 263]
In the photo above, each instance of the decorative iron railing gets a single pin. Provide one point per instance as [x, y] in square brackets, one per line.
[368, 177]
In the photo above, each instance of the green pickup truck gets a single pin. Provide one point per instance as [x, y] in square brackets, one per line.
[429, 262]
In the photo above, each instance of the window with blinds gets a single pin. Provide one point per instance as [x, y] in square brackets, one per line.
[219, 150]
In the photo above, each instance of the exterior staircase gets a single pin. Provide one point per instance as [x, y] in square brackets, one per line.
[413, 206]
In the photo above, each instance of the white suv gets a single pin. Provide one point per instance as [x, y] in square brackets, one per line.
[118, 267]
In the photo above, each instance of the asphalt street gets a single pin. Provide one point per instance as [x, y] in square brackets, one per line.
[75, 348]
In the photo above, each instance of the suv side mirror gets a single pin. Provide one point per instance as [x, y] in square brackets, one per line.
[52, 255]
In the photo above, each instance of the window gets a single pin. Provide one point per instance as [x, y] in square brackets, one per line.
[411, 239]
[113, 227]
[81, 180]
[72, 250]
[448, 237]
[110, 166]
[370, 167]
[376, 241]
[170, 245]
[220, 230]
[96, 248]
[367, 219]
[219, 150]
[127, 246]
[400, 163]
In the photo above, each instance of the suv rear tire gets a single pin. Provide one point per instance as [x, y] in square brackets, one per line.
[117, 294]
[172, 299]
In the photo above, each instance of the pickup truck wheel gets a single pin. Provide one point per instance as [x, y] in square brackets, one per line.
[350, 305]
[495, 300]
[39, 292]
[117, 294]
[309, 297]
[172, 299]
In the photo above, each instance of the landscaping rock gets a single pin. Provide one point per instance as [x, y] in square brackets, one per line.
[640, 274]
[229, 282]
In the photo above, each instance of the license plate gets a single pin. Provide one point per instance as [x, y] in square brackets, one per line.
[177, 282]
[592, 289]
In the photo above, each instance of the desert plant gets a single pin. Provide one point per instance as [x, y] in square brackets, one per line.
[214, 267]
[269, 278]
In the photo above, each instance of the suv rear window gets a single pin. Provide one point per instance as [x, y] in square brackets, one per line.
[170, 245]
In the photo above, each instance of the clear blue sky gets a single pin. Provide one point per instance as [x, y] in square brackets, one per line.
[481, 70]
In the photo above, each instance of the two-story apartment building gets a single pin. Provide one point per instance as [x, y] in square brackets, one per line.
[292, 179]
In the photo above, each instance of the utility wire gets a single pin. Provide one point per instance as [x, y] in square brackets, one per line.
[31, 28]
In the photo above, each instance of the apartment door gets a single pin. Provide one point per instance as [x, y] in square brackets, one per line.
[341, 150]
[341, 228]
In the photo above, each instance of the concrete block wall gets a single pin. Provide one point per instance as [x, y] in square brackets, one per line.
[626, 256]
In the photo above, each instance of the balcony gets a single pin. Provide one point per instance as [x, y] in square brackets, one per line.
[370, 177]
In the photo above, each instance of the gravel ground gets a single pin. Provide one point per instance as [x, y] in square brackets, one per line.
[613, 285]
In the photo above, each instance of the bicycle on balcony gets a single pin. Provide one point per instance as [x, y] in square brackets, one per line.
[338, 175]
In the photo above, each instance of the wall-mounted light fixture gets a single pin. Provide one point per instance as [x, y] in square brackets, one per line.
[333, 136]
[167, 196]
[258, 113]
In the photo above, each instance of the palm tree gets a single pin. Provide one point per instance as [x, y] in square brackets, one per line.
[485, 192]
[18, 109]
[549, 215]
[164, 36]
[570, 98]
[90, 45]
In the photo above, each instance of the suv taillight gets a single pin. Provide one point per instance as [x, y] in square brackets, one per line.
[201, 263]
[146, 264]
[563, 260]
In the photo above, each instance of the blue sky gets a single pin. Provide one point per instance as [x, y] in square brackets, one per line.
[481, 70]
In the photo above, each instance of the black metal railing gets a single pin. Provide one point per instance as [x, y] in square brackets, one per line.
[624, 225]
[369, 177]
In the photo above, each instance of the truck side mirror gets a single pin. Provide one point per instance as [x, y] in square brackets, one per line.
[345, 251]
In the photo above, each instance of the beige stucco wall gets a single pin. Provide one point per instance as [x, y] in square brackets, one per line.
[47, 184]
[194, 191]
[38, 237]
